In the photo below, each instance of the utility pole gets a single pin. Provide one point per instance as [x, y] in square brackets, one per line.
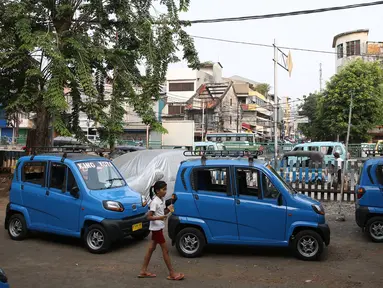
[320, 77]
[203, 120]
[341, 217]
[275, 101]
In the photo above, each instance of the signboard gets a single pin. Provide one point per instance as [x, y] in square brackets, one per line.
[375, 48]
[180, 133]
[302, 120]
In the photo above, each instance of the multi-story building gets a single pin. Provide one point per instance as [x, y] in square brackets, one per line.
[257, 109]
[8, 127]
[182, 83]
[355, 45]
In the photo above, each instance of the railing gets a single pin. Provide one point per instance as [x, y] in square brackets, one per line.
[319, 180]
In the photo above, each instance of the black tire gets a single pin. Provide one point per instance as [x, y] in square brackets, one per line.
[375, 223]
[93, 236]
[17, 227]
[312, 238]
[141, 235]
[191, 234]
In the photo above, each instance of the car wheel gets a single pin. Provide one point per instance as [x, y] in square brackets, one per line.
[308, 245]
[96, 239]
[190, 242]
[141, 235]
[375, 229]
[17, 227]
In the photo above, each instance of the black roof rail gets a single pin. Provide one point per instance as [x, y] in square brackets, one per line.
[64, 149]
[224, 153]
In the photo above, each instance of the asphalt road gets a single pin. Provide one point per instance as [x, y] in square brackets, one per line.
[50, 261]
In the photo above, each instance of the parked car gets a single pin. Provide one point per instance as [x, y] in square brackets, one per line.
[3, 279]
[369, 199]
[327, 148]
[74, 194]
[301, 161]
[249, 203]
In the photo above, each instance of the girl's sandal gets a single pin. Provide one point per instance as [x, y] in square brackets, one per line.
[180, 276]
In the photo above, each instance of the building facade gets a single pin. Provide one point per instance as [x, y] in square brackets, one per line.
[353, 45]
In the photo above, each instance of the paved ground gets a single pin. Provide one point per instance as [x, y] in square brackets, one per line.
[46, 261]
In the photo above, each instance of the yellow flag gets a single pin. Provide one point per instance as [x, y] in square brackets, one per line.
[290, 63]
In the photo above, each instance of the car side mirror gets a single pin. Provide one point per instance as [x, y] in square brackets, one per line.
[280, 200]
[75, 192]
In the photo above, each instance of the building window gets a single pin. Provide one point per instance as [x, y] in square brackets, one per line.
[176, 110]
[181, 86]
[340, 51]
[230, 120]
[231, 102]
[353, 48]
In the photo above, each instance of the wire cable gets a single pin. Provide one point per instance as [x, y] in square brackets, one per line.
[278, 15]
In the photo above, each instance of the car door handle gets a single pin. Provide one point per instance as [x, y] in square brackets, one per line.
[47, 193]
[238, 201]
[196, 197]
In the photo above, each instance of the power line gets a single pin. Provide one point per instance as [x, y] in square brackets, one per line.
[262, 45]
[278, 15]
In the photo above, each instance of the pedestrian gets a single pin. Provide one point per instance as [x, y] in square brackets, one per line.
[157, 216]
[338, 165]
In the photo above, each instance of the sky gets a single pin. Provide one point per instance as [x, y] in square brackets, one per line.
[315, 31]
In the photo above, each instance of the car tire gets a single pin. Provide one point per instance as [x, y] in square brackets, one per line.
[141, 235]
[190, 242]
[96, 239]
[17, 227]
[308, 245]
[374, 229]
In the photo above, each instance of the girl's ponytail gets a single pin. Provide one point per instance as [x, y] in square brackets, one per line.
[151, 192]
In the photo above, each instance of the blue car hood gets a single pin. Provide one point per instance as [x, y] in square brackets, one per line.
[124, 195]
[302, 198]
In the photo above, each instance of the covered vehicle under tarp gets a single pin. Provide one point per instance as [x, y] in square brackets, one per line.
[142, 169]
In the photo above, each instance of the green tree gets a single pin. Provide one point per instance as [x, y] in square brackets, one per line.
[362, 81]
[49, 45]
[311, 109]
[263, 88]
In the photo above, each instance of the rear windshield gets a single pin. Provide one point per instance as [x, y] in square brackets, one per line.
[100, 175]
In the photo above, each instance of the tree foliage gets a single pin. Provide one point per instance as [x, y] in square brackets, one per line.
[49, 45]
[263, 88]
[363, 82]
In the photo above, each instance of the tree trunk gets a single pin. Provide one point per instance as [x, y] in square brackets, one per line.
[42, 128]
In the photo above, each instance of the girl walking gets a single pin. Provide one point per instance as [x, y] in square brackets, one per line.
[157, 216]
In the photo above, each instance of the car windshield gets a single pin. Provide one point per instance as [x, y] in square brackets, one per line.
[100, 175]
[281, 180]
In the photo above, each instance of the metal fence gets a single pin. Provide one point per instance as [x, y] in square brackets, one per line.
[320, 181]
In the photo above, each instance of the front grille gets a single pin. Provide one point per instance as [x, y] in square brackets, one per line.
[134, 216]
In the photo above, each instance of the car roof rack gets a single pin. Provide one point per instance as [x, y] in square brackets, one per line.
[224, 153]
[63, 149]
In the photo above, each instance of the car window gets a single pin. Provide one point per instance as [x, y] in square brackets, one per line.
[34, 172]
[327, 150]
[57, 176]
[248, 182]
[210, 148]
[379, 174]
[339, 150]
[298, 149]
[99, 175]
[71, 180]
[210, 179]
[313, 148]
[268, 188]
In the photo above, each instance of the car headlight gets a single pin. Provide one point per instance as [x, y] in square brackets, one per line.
[318, 209]
[3, 277]
[113, 206]
[144, 201]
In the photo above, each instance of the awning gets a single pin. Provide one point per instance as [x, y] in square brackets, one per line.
[246, 126]
[264, 111]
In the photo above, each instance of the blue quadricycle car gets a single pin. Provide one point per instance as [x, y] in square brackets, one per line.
[369, 199]
[3, 279]
[74, 194]
[243, 202]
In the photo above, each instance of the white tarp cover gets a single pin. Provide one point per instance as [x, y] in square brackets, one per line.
[142, 169]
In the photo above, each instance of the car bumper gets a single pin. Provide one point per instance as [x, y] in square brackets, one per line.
[123, 228]
[361, 215]
[325, 230]
[173, 224]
